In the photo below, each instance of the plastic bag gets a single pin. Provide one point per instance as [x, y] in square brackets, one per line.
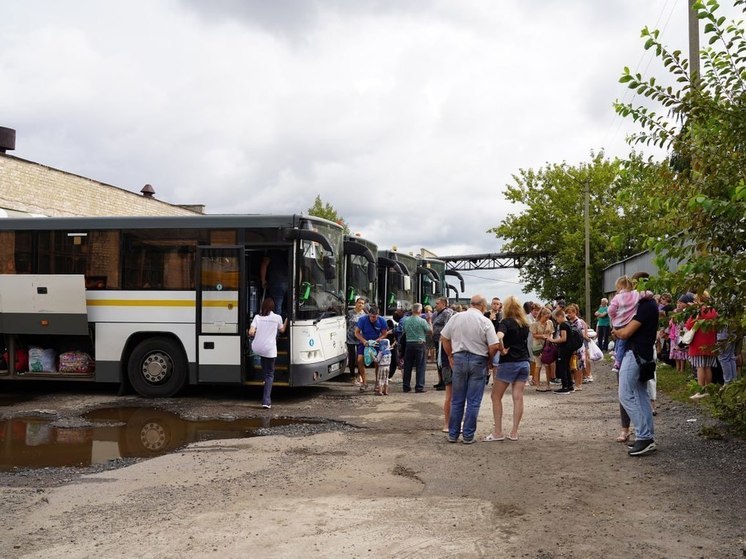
[594, 352]
[369, 355]
[75, 362]
[42, 360]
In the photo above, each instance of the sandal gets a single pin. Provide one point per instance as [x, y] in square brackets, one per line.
[622, 438]
[490, 438]
[512, 438]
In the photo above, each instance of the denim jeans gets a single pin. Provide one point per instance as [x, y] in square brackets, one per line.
[620, 348]
[277, 291]
[414, 356]
[268, 368]
[469, 372]
[633, 395]
[727, 360]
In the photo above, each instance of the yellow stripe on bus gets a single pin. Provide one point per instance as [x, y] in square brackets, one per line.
[155, 303]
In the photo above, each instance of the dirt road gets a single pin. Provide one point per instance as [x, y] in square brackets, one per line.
[389, 485]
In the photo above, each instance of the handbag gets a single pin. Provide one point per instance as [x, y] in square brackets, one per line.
[647, 368]
[687, 337]
[549, 353]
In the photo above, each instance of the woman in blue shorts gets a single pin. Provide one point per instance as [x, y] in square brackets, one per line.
[514, 367]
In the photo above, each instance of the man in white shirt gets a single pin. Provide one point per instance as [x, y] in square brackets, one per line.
[470, 341]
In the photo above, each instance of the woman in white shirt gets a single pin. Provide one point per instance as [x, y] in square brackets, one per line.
[264, 329]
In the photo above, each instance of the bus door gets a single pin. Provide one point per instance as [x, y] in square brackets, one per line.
[255, 298]
[220, 293]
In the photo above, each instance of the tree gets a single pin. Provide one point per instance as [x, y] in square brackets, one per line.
[703, 126]
[552, 223]
[327, 211]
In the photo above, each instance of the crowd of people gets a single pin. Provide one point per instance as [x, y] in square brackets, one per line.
[548, 347]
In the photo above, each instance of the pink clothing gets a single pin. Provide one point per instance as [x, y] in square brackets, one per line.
[623, 307]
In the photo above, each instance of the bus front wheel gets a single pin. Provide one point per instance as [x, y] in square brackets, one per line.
[157, 368]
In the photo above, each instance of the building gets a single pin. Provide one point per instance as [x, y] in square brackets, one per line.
[32, 189]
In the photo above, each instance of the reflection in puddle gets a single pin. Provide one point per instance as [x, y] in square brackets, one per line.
[113, 433]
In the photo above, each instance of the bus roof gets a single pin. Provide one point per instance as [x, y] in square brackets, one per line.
[158, 222]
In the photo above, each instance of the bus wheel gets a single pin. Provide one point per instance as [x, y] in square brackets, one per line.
[157, 368]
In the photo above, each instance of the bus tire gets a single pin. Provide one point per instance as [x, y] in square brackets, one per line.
[157, 368]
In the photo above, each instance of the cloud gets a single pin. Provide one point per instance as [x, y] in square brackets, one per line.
[408, 116]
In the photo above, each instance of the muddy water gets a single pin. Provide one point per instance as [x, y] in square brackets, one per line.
[109, 434]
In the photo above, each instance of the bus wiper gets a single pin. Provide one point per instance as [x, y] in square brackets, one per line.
[325, 314]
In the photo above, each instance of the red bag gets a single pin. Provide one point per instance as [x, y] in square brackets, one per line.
[549, 353]
[21, 359]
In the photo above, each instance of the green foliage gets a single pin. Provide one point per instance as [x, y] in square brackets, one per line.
[674, 384]
[728, 403]
[703, 126]
[327, 211]
[552, 223]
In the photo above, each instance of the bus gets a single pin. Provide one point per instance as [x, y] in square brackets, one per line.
[156, 303]
[361, 270]
[397, 281]
[430, 280]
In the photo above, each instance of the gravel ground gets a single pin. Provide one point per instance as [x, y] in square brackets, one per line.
[374, 477]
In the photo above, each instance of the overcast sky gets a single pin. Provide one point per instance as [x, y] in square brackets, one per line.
[408, 116]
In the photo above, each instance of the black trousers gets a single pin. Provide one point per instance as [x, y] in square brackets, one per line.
[563, 370]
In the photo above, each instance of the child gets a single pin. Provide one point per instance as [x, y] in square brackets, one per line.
[621, 311]
[561, 336]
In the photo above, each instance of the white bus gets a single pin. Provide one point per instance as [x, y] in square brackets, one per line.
[160, 302]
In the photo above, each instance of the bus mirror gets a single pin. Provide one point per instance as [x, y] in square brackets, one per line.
[330, 268]
[372, 271]
[305, 291]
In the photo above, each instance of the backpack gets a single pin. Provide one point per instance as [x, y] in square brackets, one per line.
[575, 340]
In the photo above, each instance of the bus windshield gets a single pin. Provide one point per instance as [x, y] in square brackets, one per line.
[319, 281]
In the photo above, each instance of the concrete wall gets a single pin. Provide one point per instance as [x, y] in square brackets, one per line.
[31, 188]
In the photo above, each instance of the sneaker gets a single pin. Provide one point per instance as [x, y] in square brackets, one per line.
[563, 391]
[452, 440]
[267, 406]
[439, 386]
[470, 441]
[590, 378]
[614, 370]
[556, 381]
[699, 395]
[421, 391]
[642, 446]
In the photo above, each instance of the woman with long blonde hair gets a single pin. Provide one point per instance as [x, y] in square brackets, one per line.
[542, 330]
[514, 367]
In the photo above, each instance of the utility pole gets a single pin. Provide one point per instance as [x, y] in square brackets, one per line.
[587, 254]
[693, 43]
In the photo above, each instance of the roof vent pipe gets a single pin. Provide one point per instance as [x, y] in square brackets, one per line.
[148, 191]
[7, 139]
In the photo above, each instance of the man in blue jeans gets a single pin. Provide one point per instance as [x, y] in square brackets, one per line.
[469, 340]
[416, 329]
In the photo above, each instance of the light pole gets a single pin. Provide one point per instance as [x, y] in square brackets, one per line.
[587, 254]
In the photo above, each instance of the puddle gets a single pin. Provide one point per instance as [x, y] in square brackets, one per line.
[112, 433]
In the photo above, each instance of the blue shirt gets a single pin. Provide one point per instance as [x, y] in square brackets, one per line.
[371, 330]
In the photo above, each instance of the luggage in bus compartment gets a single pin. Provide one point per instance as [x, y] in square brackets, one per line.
[43, 305]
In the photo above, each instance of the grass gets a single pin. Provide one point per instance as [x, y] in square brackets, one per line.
[677, 386]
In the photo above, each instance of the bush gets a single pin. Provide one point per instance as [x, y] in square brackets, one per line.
[728, 403]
